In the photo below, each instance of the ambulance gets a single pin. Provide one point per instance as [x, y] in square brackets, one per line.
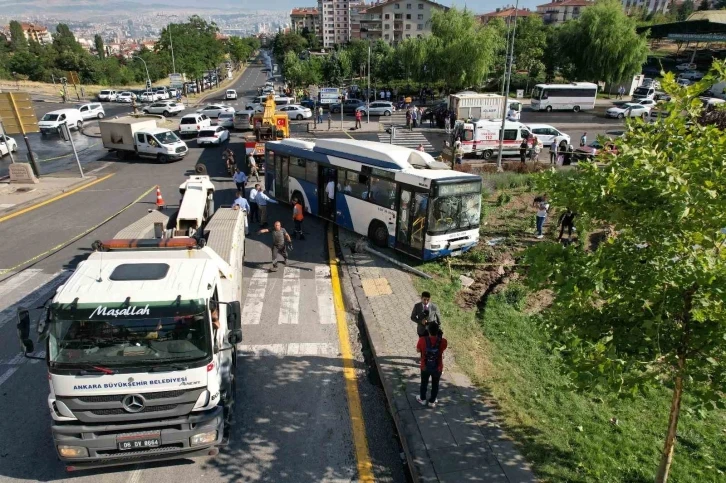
[481, 137]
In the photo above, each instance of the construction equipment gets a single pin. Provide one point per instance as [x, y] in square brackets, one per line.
[269, 126]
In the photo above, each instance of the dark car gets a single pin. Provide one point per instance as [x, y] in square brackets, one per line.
[349, 106]
[594, 149]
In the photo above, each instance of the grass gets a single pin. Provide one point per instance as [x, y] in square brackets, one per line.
[567, 434]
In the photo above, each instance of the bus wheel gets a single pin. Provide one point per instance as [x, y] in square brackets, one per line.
[378, 233]
[487, 154]
[576, 108]
[548, 108]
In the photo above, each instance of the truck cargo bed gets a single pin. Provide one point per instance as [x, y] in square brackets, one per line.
[226, 231]
[144, 228]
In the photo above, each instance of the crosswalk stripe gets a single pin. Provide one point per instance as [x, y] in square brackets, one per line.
[252, 310]
[6, 375]
[324, 291]
[407, 139]
[290, 301]
[295, 349]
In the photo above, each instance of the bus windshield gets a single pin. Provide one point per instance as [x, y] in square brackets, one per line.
[537, 92]
[454, 213]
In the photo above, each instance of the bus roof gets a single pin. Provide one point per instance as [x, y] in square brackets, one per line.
[571, 85]
[376, 154]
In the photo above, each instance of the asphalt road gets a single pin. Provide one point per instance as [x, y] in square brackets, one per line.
[292, 414]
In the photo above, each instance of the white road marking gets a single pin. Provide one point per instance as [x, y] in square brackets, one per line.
[102, 167]
[301, 349]
[135, 476]
[324, 291]
[5, 206]
[6, 375]
[42, 291]
[252, 310]
[290, 303]
[18, 279]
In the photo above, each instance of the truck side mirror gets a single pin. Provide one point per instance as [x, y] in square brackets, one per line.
[23, 327]
[234, 316]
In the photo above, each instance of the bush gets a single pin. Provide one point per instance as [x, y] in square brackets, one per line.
[503, 199]
[515, 295]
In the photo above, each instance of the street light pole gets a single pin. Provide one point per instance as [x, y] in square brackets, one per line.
[368, 92]
[506, 89]
[148, 77]
[171, 44]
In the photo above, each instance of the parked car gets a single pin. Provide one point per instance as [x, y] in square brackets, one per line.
[378, 108]
[686, 66]
[230, 94]
[662, 96]
[165, 108]
[212, 135]
[107, 95]
[92, 110]
[595, 148]
[310, 104]
[150, 96]
[9, 145]
[547, 134]
[629, 109]
[163, 92]
[295, 111]
[644, 93]
[648, 82]
[226, 120]
[349, 106]
[191, 124]
[268, 90]
[125, 96]
[692, 75]
[52, 121]
[213, 110]
[646, 102]
[683, 82]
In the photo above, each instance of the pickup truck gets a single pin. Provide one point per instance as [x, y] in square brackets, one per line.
[350, 106]
[165, 108]
[133, 137]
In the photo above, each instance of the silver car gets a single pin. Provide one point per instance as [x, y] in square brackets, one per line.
[213, 110]
[92, 110]
[226, 120]
[379, 108]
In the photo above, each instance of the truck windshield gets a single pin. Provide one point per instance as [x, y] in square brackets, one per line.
[453, 213]
[112, 341]
[167, 137]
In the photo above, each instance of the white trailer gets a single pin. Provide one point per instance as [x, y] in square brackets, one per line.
[141, 343]
[133, 137]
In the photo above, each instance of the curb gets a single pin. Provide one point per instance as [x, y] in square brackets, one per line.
[40, 199]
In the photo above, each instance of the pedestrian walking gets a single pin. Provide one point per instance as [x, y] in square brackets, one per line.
[583, 139]
[424, 312]
[254, 209]
[408, 119]
[262, 199]
[553, 151]
[431, 346]
[280, 243]
[320, 114]
[534, 151]
[541, 217]
[414, 116]
[240, 179]
[240, 203]
[358, 117]
[523, 148]
[421, 148]
[447, 122]
[298, 214]
[621, 92]
[567, 220]
[253, 167]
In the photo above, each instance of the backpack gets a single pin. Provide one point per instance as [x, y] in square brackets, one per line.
[431, 356]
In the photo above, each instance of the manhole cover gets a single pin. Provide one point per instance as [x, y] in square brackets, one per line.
[24, 190]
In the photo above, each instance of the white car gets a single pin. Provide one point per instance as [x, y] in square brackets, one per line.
[230, 94]
[191, 124]
[295, 111]
[163, 92]
[150, 96]
[92, 110]
[51, 122]
[226, 120]
[692, 75]
[213, 110]
[107, 95]
[212, 135]
[546, 134]
[256, 107]
[379, 108]
[165, 108]
[629, 110]
[686, 66]
[268, 90]
[8, 146]
[126, 97]
[646, 102]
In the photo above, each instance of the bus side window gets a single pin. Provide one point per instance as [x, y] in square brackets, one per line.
[544, 95]
[354, 186]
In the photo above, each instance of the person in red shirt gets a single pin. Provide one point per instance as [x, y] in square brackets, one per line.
[431, 347]
[358, 117]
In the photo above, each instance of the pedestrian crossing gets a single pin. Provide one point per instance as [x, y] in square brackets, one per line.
[406, 138]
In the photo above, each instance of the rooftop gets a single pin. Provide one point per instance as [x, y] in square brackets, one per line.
[507, 12]
[304, 11]
[568, 3]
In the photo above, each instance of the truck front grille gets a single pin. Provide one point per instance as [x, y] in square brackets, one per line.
[119, 397]
[147, 409]
[181, 149]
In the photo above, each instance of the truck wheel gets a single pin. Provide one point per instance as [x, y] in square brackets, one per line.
[548, 108]
[576, 108]
[378, 233]
[79, 125]
[163, 158]
[487, 154]
[121, 155]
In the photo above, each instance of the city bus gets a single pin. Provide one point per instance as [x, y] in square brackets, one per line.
[576, 96]
[382, 191]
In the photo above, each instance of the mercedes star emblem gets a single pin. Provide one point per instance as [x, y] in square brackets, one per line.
[134, 403]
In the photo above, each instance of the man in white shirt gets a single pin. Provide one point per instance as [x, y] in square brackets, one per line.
[253, 167]
[330, 194]
[240, 179]
[512, 115]
[254, 209]
[240, 203]
[553, 151]
[262, 199]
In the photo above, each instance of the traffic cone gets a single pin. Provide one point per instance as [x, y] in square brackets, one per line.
[159, 200]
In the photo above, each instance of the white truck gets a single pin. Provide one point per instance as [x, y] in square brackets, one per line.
[133, 137]
[471, 105]
[141, 339]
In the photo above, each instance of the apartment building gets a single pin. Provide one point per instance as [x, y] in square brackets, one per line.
[397, 20]
[505, 13]
[337, 20]
[651, 6]
[305, 18]
[562, 10]
[34, 32]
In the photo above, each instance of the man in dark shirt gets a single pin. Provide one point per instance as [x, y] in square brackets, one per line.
[431, 347]
[425, 312]
[280, 241]
[523, 150]
[567, 220]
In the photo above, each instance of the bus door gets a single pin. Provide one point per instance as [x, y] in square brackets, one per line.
[282, 164]
[411, 226]
[326, 206]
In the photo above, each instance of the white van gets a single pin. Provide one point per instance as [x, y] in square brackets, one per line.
[481, 138]
[52, 121]
[279, 101]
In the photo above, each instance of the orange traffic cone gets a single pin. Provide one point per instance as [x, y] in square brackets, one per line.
[159, 200]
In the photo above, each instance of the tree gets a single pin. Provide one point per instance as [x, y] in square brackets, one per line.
[602, 45]
[285, 42]
[705, 5]
[646, 306]
[529, 44]
[100, 49]
[311, 38]
[238, 49]
[18, 42]
[65, 42]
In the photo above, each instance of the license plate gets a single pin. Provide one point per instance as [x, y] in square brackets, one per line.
[456, 253]
[128, 442]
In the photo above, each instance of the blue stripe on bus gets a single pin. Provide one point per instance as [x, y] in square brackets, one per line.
[309, 189]
[343, 217]
[444, 252]
[320, 155]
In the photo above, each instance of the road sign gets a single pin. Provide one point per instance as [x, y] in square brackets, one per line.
[73, 77]
[176, 80]
[17, 113]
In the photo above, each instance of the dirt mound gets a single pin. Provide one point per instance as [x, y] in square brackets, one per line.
[486, 279]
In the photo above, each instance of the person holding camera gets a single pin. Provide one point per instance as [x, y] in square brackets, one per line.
[425, 312]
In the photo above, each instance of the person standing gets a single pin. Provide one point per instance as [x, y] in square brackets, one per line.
[621, 92]
[262, 199]
[320, 114]
[298, 214]
[280, 243]
[241, 204]
[240, 179]
[358, 117]
[447, 122]
[541, 217]
[330, 196]
[253, 167]
[431, 346]
[553, 151]
[583, 139]
[567, 220]
[408, 119]
[523, 150]
[254, 209]
[425, 312]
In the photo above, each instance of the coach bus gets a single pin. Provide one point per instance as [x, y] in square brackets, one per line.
[381, 191]
[576, 96]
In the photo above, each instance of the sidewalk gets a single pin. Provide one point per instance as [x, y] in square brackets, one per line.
[458, 441]
[15, 197]
[348, 125]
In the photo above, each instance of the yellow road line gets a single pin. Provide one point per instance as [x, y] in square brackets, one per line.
[79, 236]
[55, 198]
[348, 134]
[365, 468]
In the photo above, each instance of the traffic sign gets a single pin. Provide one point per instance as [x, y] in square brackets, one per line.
[176, 80]
[73, 77]
[17, 113]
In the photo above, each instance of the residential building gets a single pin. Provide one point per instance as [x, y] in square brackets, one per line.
[335, 20]
[397, 20]
[34, 32]
[651, 6]
[562, 10]
[505, 13]
[305, 18]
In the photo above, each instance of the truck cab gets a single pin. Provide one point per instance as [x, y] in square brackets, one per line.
[161, 144]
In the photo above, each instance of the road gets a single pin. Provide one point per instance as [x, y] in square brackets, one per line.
[292, 420]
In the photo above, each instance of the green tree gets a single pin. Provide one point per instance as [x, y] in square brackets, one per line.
[646, 306]
[602, 45]
[288, 42]
[18, 42]
[65, 42]
[705, 5]
[530, 44]
[100, 49]
[358, 51]
[311, 38]
[238, 49]
[412, 57]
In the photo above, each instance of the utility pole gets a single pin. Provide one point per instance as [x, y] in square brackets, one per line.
[171, 44]
[506, 90]
[368, 92]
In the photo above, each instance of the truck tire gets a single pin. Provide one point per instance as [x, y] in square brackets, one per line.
[121, 155]
[79, 125]
[548, 108]
[163, 158]
[576, 108]
[378, 233]
[200, 168]
[487, 154]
